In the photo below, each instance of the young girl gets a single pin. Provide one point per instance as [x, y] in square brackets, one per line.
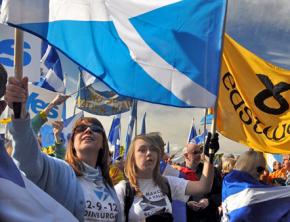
[152, 193]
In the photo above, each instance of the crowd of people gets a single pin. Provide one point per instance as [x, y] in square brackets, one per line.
[82, 180]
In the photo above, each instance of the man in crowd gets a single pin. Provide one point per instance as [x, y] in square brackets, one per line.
[280, 176]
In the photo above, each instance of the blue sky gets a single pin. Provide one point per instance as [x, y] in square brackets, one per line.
[262, 26]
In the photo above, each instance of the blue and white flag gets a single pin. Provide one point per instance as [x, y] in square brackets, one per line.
[199, 139]
[271, 158]
[114, 136]
[207, 120]
[192, 132]
[96, 98]
[143, 126]
[133, 118]
[245, 199]
[21, 200]
[166, 52]
[51, 69]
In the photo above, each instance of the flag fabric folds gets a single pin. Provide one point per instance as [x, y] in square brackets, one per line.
[51, 69]
[68, 125]
[21, 200]
[96, 98]
[254, 98]
[114, 135]
[199, 139]
[143, 126]
[245, 199]
[158, 51]
[133, 118]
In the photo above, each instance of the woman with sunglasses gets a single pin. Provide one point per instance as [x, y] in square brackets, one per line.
[82, 183]
[147, 196]
[245, 198]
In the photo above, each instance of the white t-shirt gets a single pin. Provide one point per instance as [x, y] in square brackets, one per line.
[153, 199]
[100, 206]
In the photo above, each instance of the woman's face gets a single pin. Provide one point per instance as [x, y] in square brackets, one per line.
[88, 139]
[146, 157]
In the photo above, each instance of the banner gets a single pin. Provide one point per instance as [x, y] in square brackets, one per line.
[253, 107]
[99, 99]
[38, 99]
[31, 53]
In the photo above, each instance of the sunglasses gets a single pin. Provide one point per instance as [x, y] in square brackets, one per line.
[83, 128]
[196, 152]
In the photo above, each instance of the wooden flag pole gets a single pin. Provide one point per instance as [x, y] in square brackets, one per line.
[18, 66]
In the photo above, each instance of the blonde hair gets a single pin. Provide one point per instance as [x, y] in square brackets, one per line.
[228, 165]
[130, 167]
[249, 161]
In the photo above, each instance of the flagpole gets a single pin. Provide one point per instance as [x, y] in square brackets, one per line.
[18, 66]
[136, 118]
[213, 128]
[204, 122]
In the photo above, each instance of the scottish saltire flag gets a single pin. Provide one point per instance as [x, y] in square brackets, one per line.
[207, 120]
[143, 126]
[96, 98]
[47, 136]
[51, 69]
[133, 118]
[271, 158]
[165, 52]
[199, 139]
[21, 200]
[245, 199]
[192, 132]
[114, 135]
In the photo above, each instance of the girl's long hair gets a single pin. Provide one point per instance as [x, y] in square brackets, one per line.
[131, 170]
[103, 155]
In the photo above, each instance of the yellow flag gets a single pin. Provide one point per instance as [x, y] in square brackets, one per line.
[254, 98]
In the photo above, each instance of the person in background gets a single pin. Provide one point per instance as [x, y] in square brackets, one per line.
[151, 194]
[228, 165]
[245, 198]
[276, 166]
[117, 170]
[81, 183]
[58, 149]
[201, 207]
[279, 176]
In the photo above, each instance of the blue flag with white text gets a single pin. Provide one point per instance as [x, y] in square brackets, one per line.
[166, 52]
[246, 199]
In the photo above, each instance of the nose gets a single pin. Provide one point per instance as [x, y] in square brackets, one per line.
[88, 129]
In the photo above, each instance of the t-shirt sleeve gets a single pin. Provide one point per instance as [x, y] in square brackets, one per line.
[178, 187]
[120, 189]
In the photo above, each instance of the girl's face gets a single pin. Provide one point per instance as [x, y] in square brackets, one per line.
[88, 139]
[146, 157]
